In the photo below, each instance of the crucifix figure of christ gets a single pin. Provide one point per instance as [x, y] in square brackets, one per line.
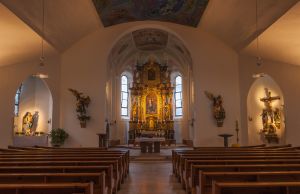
[270, 117]
[268, 99]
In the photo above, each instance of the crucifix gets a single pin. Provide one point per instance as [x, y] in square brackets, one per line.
[268, 99]
[270, 117]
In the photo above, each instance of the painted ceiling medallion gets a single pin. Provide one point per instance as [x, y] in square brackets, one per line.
[185, 12]
[150, 39]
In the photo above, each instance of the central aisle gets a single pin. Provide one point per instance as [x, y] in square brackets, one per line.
[151, 177]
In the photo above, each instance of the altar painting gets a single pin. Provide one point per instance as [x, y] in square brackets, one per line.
[151, 104]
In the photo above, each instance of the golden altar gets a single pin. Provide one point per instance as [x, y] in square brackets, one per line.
[151, 112]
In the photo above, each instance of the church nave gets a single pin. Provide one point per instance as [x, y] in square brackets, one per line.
[151, 177]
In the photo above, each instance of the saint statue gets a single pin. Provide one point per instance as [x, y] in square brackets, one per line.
[27, 123]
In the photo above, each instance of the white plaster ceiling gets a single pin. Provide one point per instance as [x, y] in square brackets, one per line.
[280, 42]
[68, 21]
[18, 42]
[233, 21]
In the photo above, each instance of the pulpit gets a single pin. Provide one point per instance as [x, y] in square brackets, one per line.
[225, 137]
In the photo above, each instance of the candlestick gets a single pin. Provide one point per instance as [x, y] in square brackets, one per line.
[237, 131]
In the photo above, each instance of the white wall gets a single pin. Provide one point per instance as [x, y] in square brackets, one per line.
[10, 79]
[84, 67]
[287, 78]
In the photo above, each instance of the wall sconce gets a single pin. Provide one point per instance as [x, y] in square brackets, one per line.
[258, 75]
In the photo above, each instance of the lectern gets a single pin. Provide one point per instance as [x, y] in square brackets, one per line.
[102, 140]
[225, 136]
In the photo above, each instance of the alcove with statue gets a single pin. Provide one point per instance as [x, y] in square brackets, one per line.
[265, 110]
[32, 113]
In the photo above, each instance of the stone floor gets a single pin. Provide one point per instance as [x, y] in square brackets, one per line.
[153, 177]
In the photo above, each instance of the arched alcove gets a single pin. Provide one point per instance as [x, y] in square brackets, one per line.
[264, 90]
[137, 48]
[33, 111]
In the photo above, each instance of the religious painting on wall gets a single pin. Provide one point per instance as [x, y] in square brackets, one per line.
[151, 104]
[151, 75]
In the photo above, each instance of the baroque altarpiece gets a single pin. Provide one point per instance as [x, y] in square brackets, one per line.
[151, 113]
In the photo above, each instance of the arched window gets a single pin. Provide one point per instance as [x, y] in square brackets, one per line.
[17, 101]
[178, 96]
[124, 95]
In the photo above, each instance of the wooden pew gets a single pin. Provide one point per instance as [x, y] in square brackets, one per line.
[194, 178]
[180, 164]
[123, 161]
[206, 178]
[256, 188]
[119, 167]
[65, 188]
[177, 154]
[67, 159]
[69, 163]
[123, 153]
[98, 179]
[109, 181]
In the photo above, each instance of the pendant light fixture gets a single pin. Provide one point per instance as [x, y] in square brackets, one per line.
[258, 54]
[42, 57]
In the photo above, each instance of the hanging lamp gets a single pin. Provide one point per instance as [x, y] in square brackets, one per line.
[42, 57]
[258, 54]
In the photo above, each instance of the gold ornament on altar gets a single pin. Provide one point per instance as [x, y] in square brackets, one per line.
[271, 118]
[151, 101]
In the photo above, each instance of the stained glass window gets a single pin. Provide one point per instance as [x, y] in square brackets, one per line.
[178, 96]
[124, 95]
[17, 101]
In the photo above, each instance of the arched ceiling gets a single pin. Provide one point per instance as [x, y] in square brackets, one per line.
[137, 47]
[185, 12]
[231, 21]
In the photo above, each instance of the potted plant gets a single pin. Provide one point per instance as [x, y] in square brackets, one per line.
[58, 137]
[82, 119]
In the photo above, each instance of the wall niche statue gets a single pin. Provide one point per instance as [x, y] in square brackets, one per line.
[29, 123]
[217, 108]
[81, 106]
[271, 118]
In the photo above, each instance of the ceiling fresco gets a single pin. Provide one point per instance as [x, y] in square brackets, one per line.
[185, 12]
[138, 46]
[150, 39]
